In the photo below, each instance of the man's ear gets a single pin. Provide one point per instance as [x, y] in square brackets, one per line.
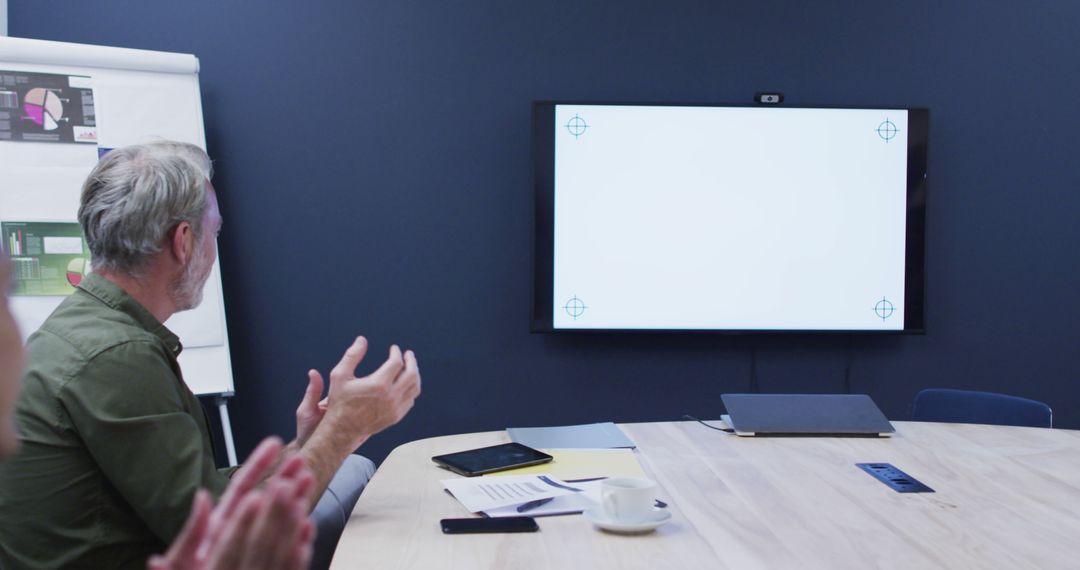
[182, 242]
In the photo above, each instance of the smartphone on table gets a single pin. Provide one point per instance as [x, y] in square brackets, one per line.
[493, 524]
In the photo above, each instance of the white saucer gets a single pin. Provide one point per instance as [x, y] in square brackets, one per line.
[600, 519]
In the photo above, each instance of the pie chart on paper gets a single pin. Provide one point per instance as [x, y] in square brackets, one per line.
[43, 107]
[76, 270]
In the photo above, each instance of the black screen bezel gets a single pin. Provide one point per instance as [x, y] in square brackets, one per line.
[543, 166]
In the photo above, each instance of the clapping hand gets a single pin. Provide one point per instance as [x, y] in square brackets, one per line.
[250, 528]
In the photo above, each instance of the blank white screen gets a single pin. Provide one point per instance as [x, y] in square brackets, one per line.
[729, 218]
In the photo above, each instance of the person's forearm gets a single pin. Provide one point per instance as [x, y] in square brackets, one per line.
[290, 449]
[323, 454]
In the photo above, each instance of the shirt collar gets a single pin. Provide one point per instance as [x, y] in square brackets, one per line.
[115, 297]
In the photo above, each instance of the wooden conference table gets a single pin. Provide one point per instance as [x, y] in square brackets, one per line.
[1006, 497]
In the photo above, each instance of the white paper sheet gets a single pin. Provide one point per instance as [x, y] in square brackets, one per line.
[572, 504]
[483, 493]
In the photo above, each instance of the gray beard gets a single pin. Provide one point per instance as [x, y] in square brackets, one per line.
[187, 292]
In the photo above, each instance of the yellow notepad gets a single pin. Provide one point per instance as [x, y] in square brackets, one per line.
[584, 464]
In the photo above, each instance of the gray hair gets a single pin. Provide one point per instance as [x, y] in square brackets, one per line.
[135, 196]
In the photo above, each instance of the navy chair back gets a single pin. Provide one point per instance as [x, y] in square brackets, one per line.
[969, 407]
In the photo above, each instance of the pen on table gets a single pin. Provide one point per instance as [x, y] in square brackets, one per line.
[533, 504]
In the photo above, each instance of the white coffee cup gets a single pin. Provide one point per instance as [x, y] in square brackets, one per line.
[628, 499]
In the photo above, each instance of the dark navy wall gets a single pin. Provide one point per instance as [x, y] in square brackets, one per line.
[373, 169]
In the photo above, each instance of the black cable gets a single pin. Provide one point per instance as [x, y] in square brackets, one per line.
[693, 419]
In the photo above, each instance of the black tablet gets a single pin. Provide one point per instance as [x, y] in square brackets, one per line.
[490, 459]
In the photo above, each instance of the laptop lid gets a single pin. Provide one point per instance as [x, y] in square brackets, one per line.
[805, 414]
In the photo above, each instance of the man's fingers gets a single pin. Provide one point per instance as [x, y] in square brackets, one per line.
[305, 484]
[258, 463]
[408, 382]
[254, 470]
[231, 550]
[307, 533]
[412, 391]
[276, 532]
[295, 470]
[185, 549]
[346, 368]
[290, 468]
[412, 373]
[302, 550]
[392, 367]
[412, 367]
[314, 390]
[307, 537]
[297, 554]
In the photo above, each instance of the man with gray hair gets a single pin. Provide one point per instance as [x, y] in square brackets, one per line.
[114, 444]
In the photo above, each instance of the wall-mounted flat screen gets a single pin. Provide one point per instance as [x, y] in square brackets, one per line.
[733, 219]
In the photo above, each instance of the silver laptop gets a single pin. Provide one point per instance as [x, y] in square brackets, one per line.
[804, 414]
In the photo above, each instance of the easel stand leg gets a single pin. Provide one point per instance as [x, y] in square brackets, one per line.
[226, 428]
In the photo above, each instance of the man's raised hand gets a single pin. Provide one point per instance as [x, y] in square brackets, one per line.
[357, 408]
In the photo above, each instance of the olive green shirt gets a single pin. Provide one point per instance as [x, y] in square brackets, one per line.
[114, 444]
